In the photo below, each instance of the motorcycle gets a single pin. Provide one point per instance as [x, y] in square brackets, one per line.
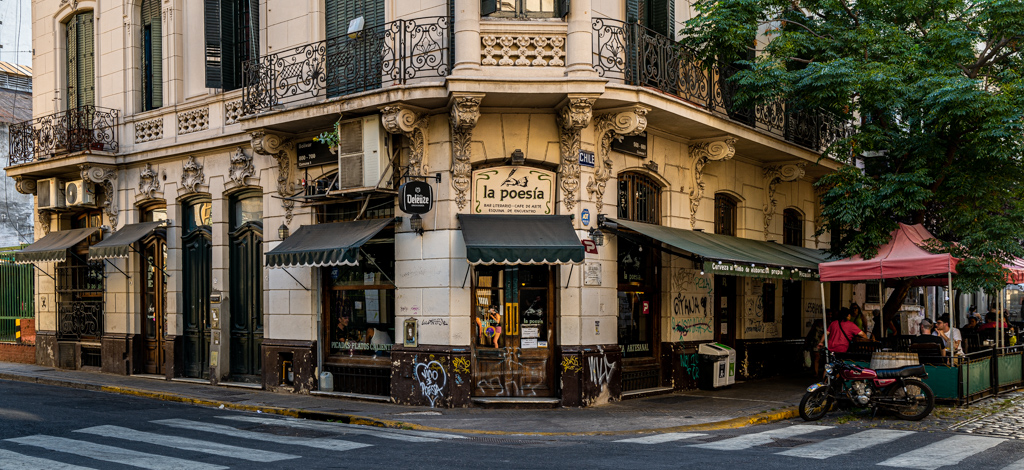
[899, 390]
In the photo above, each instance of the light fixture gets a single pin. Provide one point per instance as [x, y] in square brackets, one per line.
[701, 272]
[416, 224]
[518, 157]
[283, 232]
[597, 236]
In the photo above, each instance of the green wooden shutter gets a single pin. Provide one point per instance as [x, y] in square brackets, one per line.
[81, 70]
[488, 6]
[212, 31]
[562, 8]
[228, 46]
[152, 55]
[71, 54]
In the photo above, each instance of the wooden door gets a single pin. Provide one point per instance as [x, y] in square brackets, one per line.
[246, 255]
[725, 310]
[196, 269]
[154, 296]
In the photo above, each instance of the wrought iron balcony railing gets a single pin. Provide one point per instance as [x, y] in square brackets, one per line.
[641, 57]
[390, 54]
[75, 130]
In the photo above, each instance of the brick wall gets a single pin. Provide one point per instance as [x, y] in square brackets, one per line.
[28, 330]
[23, 353]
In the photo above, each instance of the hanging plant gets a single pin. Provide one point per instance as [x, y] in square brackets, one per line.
[330, 138]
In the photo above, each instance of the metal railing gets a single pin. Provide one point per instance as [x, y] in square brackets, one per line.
[640, 56]
[85, 128]
[79, 319]
[390, 54]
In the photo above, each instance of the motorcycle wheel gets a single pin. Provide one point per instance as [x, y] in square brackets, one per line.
[814, 405]
[923, 400]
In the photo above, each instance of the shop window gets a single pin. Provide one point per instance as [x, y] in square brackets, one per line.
[768, 302]
[639, 198]
[80, 287]
[525, 8]
[725, 215]
[152, 55]
[792, 228]
[232, 38]
[80, 56]
[636, 295]
[361, 301]
[511, 307]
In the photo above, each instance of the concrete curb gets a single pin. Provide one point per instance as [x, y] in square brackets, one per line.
[760, 418]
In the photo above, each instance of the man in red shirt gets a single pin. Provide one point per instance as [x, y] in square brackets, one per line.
[842, 332]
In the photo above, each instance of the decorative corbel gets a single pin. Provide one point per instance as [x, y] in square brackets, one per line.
[148, 181]
[273, 145]
[192, 174]
[44, 220]
[398, 119]
[572, 119]
[465, 113]
[773, 175]
[241, 167]
[612, 126]
[703, 153]
[24, 185]
[107, 177]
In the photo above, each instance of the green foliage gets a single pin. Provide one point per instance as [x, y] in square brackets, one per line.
[935, 84]
[329, 138]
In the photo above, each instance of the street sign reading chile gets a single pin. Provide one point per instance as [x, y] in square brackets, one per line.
[416, 197]
[586, 158]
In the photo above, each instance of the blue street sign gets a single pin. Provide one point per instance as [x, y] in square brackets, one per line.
[585, 216]
[586, 158]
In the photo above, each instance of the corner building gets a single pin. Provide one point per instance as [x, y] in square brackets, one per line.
[591, 205]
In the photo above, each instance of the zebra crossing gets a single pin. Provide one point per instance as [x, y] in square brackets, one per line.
[948, 451]
[168, 450]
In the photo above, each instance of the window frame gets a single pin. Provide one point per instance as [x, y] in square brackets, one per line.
[631, 183]
[726, 202]
[490, 8]
[792, 227]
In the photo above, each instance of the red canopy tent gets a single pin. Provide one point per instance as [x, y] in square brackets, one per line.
[1016, 274]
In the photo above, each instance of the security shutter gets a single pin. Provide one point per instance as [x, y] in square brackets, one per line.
[211, 30]
[152, 55]
[80, 56]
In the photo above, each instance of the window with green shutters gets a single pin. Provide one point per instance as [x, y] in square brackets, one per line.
[152, 56]
[80, 54]
[354, 63]
[525, 8]
[232, 38]
[655, 15]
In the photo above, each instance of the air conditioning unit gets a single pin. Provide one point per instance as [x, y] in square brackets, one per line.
[80, 193]
[50, 193]
[362, 157]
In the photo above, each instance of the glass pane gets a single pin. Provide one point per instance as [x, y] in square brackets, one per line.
[150, 315]
[155, 215]
[533, 331]
[376, 266]
[198, 215]
[635, 324]
[539, 6]
[489, 306]
[248, 210]
[362, 322]
[507, 5]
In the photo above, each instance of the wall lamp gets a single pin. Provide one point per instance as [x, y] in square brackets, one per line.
[283, 232]
[416, 224]
[597, 236]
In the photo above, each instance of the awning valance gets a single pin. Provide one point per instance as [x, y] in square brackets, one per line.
[330, 244]
[119, 244]
[734, 256]
[520, 239]
[53, 247]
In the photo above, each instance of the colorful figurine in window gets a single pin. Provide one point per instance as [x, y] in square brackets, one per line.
[489, 327]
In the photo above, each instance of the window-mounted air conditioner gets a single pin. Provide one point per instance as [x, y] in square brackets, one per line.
[80, 193]
[50, 193]
[362, 156]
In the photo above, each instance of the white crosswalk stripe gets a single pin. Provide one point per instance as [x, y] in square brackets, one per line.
[393, 434]
[747, 441]
[661, 438]
[949, 451]
[319, 443]
[846, 444]
[184, 443]
[15, 461]
[1018, 465]
[112, 454]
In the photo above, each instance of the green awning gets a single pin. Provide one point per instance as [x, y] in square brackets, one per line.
[723, 254]
[326, 244]
[53, 247]
[520, 239]
[119, 244]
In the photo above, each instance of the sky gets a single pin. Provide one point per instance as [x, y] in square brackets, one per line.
[16, 31]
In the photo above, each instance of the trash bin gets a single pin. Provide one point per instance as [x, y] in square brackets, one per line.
[718, 365]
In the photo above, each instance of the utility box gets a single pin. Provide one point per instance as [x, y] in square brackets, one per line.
[718, 365]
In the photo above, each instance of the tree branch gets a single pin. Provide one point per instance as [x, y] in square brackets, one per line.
[809, 30]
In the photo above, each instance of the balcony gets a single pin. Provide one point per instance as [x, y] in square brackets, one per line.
[82, 129]
[394, 53]
[638, 56]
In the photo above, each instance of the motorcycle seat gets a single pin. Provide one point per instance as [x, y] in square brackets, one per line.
[905, 371]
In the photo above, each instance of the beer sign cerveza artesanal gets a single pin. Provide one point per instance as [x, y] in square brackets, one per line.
[513, 190]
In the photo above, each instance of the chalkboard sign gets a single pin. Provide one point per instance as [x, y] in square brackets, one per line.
[312, 153]
[632, 144]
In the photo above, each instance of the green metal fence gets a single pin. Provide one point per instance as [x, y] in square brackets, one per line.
[16, 293]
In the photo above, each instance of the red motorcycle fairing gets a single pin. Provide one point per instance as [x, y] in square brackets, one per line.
[884, 382]
[851, 374]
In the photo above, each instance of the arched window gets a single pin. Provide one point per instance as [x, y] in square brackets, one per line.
[792, 228]
[152, 56]
[639, 198]
[725, 214]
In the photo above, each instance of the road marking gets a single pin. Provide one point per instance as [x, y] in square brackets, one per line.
[15, 461]
[660, 438]
[320, 443]
[185, 443]
[395, 434]
[949, 451]
[747, 441]
[112, 454]
[846, 444]
[1018, 465]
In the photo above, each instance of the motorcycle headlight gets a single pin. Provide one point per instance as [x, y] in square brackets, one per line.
[828, 369]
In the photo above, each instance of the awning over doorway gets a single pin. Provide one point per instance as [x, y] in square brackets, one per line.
[53, 247]
[734, 256]
[330, 244]
[119, 244]
[520, 239]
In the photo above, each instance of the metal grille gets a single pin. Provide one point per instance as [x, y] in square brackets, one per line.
[16, 294]
[639, 198]
[364, 380]
[640, 379]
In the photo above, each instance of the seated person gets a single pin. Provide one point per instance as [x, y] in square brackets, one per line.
[927, 334]
[990, 322]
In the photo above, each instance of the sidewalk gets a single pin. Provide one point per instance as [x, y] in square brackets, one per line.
[743, 404]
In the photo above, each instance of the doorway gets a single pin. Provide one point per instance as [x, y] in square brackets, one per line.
[792, 309]
[725, 310]
[154, 296]
[513, 331]
[246, 256]
[197, 267]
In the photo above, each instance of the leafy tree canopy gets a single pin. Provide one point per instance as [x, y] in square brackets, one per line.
[933, 85]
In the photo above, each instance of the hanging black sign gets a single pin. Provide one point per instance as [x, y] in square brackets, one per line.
[632, 144]
[415, 197]
[312, 153]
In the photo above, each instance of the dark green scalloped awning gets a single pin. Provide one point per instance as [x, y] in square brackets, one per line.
[119, 244]
[326, 244]
[53, 247]
[520, 239]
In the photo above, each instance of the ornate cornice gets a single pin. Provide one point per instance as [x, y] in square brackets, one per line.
[464, 115]
[703, 153]
[613, 126]
[773, 175]
[107, 177]
[192, 175]
[398, 119]
[241, 167]
[148, 181]
[273, 145]
[24, 185]
[572, 119]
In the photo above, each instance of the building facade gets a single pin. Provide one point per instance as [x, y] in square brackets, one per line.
[15, 106]
[441, 203]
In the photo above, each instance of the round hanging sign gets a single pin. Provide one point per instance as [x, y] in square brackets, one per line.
[416, 197]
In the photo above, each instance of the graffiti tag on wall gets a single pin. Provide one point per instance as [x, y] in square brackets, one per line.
[571, 364]
[690, 365]
[694, 326]
[432, 379]
[692, 305]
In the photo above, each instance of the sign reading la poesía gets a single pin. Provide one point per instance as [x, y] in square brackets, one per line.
[513, 190]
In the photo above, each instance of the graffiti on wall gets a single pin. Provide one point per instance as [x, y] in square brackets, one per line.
[432, 379]
[528, 377]
[690, 365]
[692, 326]
[460, 365]
[571, 364]
[692, 305]
[600, 370]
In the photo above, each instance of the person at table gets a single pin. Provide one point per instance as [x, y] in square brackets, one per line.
[947, 333]
[990, 322]
[927, 335]
[842, 332]
[972, 324]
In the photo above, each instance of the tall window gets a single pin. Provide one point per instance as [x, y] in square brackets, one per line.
[656, 15]
[525, 8]
[152, 56]
[354, 64]
[792, 228]
[725, 215]
[81, 82]
[639, 198]
[232, 38]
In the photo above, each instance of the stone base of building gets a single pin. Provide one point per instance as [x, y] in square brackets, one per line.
[121, 354]
[289, 366]
[435, 376]
[46, 348]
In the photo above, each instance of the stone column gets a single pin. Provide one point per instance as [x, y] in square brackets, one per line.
[467, 37]
[580, 40]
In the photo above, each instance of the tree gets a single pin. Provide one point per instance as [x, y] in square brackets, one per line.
[934, 86]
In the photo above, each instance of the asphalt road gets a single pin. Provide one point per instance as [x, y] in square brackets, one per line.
[48, 427]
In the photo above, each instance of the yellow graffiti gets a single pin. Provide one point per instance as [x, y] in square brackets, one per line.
[572, 364]
[461, 365]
